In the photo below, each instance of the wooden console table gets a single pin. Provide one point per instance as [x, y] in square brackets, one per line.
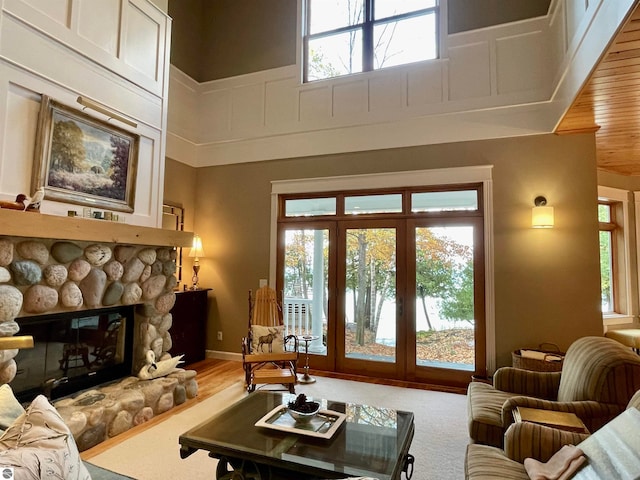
[189, 329]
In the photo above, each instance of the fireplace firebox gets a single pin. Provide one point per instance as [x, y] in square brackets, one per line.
[74, 351]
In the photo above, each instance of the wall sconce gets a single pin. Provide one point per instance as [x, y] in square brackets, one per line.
[541, 214]
[196, 253]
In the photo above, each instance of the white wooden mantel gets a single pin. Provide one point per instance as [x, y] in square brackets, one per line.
[37, 225]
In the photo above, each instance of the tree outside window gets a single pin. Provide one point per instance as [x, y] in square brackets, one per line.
[343, 37]
[608, 229]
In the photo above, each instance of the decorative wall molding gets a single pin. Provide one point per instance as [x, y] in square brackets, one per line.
[127, 38]
[115, 53]
[501, 81]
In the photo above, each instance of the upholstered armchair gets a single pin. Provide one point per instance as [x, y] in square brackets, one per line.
[530, 440]
[598, 378]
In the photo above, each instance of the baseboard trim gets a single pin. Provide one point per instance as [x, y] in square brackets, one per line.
[219, 355]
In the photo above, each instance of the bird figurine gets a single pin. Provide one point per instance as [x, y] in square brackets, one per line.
[152, 369]
[36, 201]
[17, 205]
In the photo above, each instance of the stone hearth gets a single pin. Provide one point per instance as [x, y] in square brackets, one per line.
[98, 414]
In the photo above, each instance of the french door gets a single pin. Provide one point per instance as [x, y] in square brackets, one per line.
[371, 326]
[395, 296]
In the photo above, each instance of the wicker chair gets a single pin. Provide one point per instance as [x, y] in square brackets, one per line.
[268, 356]
[598, 378]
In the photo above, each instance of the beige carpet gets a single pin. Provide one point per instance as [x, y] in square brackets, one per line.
[438, 445]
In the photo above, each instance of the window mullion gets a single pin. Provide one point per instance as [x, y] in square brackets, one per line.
[367, 37]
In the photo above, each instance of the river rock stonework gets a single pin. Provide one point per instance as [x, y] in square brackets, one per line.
[98, 414]
[47, 276]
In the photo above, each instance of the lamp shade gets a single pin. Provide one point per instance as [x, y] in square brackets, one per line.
[196, 247]
[542, 217]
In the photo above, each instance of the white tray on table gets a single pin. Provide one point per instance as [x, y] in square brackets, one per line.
[323, 425]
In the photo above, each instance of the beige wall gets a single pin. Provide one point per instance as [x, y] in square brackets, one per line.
[179, 189]
[546, 281]
[187, 36]
[614, 180]
[226, 38]
[465, 15]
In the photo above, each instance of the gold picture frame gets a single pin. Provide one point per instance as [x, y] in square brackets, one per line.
[82, 160]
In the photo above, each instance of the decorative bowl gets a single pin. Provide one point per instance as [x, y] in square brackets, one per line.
[305, 412]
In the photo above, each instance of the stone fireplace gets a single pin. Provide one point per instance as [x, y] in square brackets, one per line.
[93, 294]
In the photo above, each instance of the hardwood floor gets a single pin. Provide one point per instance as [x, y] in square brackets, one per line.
[215, 375]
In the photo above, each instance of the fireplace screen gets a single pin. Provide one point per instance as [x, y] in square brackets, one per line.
[73, 351]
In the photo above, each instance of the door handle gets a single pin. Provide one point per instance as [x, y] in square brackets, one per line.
[400, 303]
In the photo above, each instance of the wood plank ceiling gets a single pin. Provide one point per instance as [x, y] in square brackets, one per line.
[609, 103]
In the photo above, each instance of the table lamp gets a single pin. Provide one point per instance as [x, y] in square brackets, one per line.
[196, 253]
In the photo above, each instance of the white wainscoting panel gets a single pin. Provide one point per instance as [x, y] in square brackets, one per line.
[314, 104]
[350, 98]
[247, 108]
[514, 75]
[183, 92]
[57, 10]
[143, 46]
[18, 42]
[575, 13]
[127, 37]
[281, 106]
[97, 22]
[19, 118]
[387, 91]
[469, 71]
[146, 191]
[558, 43]
[215, 113]
[425, 84]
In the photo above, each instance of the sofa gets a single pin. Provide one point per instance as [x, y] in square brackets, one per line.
[598, 378]
[612, 453]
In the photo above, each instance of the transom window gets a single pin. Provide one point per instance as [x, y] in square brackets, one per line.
[342, 37]
[404, 202]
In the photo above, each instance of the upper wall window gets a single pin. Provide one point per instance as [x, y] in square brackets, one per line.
[342, 37]
[615, 253]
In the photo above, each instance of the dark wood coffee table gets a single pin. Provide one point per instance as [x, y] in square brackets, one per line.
[372, 442]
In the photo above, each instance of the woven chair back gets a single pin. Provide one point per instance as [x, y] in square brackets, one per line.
[266, 310]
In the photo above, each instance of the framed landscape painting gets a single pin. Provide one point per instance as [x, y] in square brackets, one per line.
[82, 160]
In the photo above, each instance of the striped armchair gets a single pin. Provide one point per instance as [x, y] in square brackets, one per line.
[599, 376]
[529, 440]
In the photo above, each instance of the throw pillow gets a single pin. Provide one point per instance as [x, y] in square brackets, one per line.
[10, 407]
[39, 445]
[267, 339]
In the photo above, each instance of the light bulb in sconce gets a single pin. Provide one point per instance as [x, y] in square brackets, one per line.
[542, 214]
[196, 253]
